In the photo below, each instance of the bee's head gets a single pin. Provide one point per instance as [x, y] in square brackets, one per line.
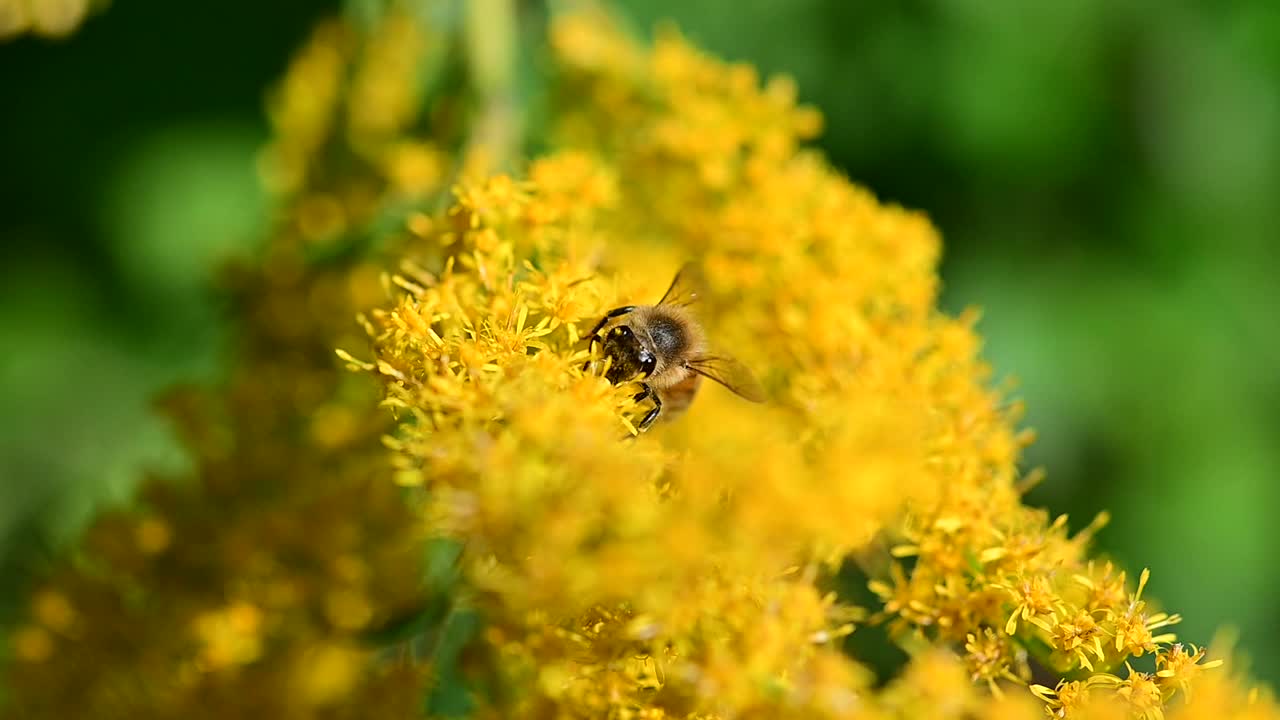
[632, 357]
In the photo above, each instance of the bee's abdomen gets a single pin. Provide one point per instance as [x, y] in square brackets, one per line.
[677, 398]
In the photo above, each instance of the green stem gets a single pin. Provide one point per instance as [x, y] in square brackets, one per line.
[491, 43]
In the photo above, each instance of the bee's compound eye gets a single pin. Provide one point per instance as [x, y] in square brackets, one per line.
[621, 331]
[647, 363]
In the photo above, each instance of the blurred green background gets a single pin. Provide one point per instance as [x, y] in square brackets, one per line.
[1105, 175]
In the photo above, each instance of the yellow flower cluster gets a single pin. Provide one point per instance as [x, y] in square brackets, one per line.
[687, 573]
[250, 588]
[247, 589]
[578, 568]
[341, 150]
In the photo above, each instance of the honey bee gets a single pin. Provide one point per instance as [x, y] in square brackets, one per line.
[664, 349]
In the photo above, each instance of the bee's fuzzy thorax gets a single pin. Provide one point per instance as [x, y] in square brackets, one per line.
[673, 333]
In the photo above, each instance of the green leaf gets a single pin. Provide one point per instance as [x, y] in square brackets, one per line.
[451, 695]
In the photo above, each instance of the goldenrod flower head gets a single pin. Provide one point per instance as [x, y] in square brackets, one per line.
[1180, 666]
[680, 572]
[992, 657]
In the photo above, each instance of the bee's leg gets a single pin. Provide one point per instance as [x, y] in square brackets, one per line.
[595, 331]
[652, 415]
[609, 316]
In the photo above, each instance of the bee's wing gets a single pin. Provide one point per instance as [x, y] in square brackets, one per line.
[685, 288]
[730, 373]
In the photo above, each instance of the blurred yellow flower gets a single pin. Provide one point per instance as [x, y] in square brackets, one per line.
[229, 636]
[50, 18]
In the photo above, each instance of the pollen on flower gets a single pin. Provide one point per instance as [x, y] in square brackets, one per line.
[991, 657]
[1179, 666]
